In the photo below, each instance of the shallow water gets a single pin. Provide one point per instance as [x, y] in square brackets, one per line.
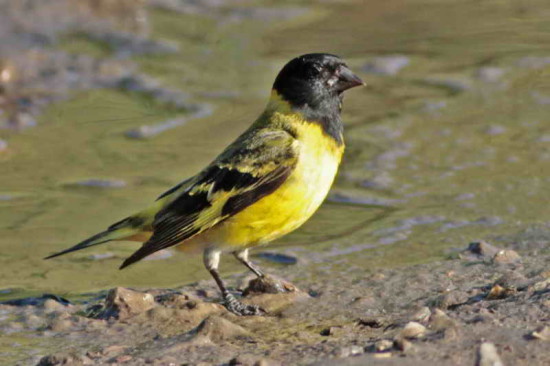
[440, 154]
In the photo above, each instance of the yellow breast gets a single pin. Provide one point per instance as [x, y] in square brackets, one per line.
[290, 205]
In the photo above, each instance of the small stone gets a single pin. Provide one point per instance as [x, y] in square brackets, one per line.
[269, 285]
[541, 285]
[402, 344]
[498, 292]
[506, 256]
[3, 145]
[330, 331]
[123, 303]
[123, 358]
[33, 321]
[51, 305]
[542, 333]
[371, 322]
[449, 299]
[383, 345]
[62, 359]
[413, 330]
[512, 280]
[267, 362]
[61, 325]
[243, 360]
[439, 321]
[351, 351]
[488, 355]
[113, 350]
[423, 314]
[483, 249]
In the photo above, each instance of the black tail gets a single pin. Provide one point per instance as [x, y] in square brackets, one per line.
[97, 239]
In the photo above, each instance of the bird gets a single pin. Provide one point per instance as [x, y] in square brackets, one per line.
[265, 184]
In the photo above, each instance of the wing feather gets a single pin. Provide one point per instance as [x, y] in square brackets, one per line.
[244, 173]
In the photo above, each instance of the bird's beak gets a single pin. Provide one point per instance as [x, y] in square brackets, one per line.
[347, 79]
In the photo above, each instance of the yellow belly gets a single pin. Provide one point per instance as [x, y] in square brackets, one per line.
[289, 206]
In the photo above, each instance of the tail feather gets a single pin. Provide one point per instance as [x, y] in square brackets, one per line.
[139, 254]
[118, 231]
[90, 242]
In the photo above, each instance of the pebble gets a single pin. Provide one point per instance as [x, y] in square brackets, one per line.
[488, 355]
[33, 321]
[387, 65]
[449, 299]
[351, 351]
[402, 344]
[440, 321]
[61, 325]
[506, 256]
[483, 249]
[422, 314]
[541, 333]
[383, 345]
[51, 305]
[413, 330]
[3, 145]
[330, 331]
[498, 292]
[63, 359]
[512, 280]
[113, 350]
[123, 303]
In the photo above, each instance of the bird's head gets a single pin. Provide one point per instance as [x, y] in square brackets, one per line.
[315, 82]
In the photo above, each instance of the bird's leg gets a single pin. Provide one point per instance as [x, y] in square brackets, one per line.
[211, 261]
[242, 256]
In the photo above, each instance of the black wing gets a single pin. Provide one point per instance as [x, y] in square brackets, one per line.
[251, 168]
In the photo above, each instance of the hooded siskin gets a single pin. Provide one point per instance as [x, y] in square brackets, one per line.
[267, 183]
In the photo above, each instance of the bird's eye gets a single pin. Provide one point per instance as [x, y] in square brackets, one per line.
[315, 69]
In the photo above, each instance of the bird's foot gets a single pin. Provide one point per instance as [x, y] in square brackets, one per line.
[238, 308]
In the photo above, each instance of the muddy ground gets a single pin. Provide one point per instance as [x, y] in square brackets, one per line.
[482, 306]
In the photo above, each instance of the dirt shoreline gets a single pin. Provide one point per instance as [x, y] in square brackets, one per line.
[453, 312]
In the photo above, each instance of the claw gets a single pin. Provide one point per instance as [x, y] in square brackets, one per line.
[238, 308]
